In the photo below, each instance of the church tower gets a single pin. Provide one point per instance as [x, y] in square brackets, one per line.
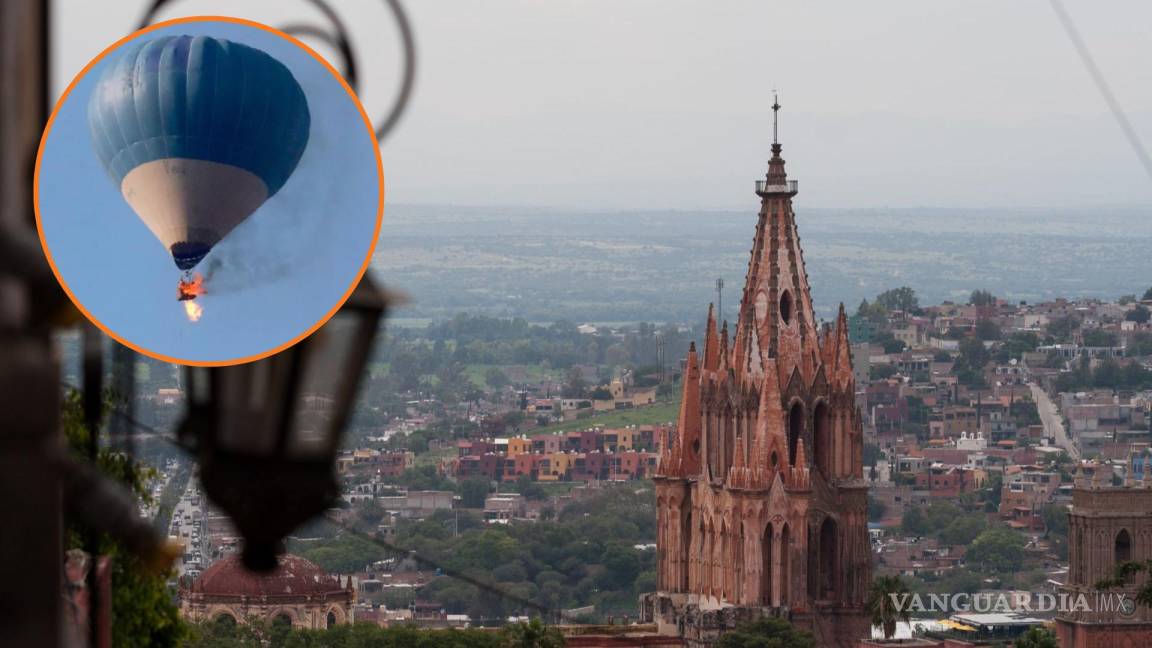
[1107, 525]
[761, 501]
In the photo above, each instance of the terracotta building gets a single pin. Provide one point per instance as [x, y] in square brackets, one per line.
[298, 592]
[760, 493]
[1107, 525]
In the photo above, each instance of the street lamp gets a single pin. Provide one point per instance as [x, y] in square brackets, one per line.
[267, 432]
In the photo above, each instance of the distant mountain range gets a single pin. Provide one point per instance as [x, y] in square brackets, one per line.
[550, 264]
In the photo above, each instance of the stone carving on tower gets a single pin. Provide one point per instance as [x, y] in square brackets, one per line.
[761, 500]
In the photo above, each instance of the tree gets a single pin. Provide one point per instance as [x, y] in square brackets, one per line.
[575, 386]
[1061, 328]
[963, 529]
[982, 298]
[532, 634]
[600, 393]
[143, 613]
[1056, 519]
[882, 603]
[997, 550]
[1017, 344]
[496, 378]
[343, 554]
[1037, 637]
[1124, 575]
[913, 522]
[766, 633]
[986, 329]
[882, 371]
[901, 299]
[1127, 299]
[1140, 344]
[473, 492]
[992, 491]
[970, 363]
[876, 509]
[1099, 338]
[1147, 295]
[1140, 315]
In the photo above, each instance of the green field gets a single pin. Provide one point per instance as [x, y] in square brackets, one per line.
[662, 412]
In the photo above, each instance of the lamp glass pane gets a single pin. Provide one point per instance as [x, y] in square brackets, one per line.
[330, 369]
[251, 407]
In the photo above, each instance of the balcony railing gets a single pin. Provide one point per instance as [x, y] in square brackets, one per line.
[762, 187]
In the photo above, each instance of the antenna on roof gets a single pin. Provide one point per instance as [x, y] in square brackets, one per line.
[775, 115]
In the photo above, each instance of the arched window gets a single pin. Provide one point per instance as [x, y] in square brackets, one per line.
[828, 562]
[795, 430]
[822, 439]
[738, 555]
[766, 568]
[225, 623]
[786, 308]
[785, 567]
[331, 619]
[1123, 546]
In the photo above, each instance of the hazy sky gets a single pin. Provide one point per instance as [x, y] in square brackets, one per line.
[280, 270]
[664, 103]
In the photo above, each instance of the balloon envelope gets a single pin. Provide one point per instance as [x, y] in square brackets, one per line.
[197, 132]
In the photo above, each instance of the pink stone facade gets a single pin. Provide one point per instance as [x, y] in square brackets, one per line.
[760, 493]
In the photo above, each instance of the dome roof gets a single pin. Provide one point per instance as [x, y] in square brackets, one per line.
[295, 576]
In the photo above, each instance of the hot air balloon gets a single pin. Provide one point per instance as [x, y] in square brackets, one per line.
[197, 132]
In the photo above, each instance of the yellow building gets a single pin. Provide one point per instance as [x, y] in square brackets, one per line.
[519, 445]
[561, 465]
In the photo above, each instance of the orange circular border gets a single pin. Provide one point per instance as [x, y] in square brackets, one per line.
[379, 179]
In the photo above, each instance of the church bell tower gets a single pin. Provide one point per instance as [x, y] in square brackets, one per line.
[761, 501]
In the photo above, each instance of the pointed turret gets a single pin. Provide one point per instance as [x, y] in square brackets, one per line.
[841, 371]
[771, 439]
[800, 474]
[711, 343]
[689, 423]
[724, 359]
[738, 475]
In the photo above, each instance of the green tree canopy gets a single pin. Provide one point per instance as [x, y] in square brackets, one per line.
[1037, 637]
[997, 550]
[982, 298]
[902, 299]
[987, 329]
[473, 492]
[1140, 315]
[766, 633]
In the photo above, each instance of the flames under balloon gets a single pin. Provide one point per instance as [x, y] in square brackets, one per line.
[189, 288]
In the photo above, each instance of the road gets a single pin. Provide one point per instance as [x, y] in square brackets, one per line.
[1053, 422]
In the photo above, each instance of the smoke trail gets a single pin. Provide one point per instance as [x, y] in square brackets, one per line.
[288, 235]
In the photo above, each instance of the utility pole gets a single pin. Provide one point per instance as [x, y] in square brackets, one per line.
[719, 299]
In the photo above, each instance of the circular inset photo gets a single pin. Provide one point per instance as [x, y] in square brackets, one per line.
[209, 191]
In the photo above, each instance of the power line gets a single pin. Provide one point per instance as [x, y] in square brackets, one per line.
[1102, 85]
[545, 611]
